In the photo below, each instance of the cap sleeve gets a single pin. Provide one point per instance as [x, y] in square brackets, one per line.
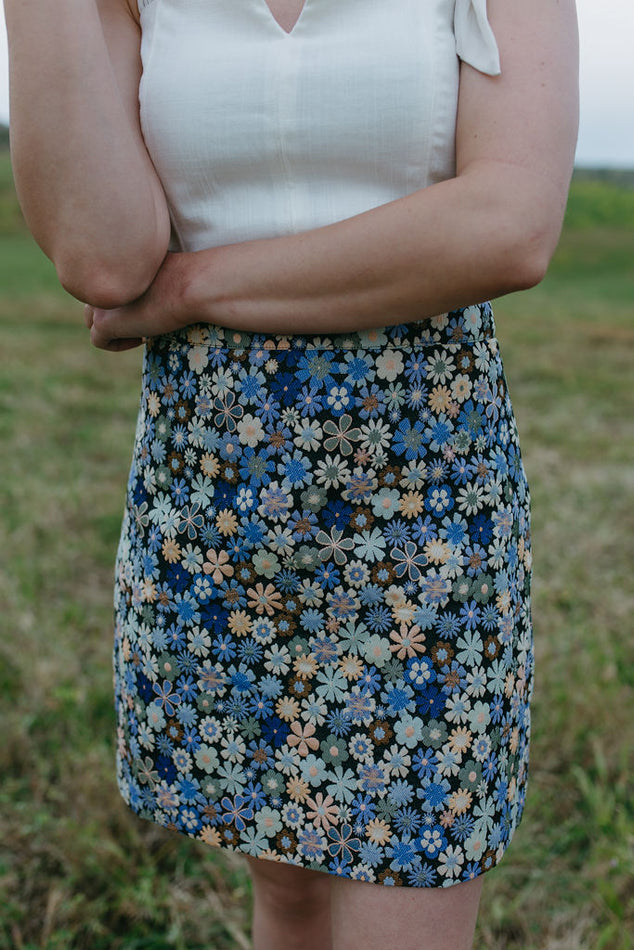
[475, 41]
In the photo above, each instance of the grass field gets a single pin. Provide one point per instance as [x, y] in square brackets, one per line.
[77, 870]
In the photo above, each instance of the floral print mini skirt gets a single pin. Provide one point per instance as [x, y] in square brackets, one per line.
[323, 650]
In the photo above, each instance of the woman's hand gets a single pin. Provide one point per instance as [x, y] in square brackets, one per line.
[161, 309]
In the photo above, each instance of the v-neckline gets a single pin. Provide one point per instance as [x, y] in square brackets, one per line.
[277, 23]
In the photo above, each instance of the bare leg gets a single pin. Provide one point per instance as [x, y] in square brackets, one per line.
[291, 907]
[375, 917]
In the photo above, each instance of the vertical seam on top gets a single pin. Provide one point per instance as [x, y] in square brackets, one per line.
[287, 87]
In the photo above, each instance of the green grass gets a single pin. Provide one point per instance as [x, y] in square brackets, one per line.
[77, 870]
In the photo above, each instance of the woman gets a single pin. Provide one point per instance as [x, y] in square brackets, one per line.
[323, 652]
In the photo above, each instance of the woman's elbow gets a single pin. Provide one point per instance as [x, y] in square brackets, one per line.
[526, 258]
[103, 285]
[520, 215]
[98, 288]
[530, 267]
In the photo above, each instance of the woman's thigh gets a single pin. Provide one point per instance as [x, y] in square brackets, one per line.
[373, 916]
[296, 890]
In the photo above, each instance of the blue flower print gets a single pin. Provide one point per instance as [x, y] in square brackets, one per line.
[323, 648]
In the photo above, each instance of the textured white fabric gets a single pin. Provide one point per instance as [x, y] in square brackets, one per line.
[258, 133]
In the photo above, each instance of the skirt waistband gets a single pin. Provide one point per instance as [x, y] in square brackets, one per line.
[466, 325]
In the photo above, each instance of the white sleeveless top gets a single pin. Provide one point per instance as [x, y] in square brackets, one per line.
[256, 132]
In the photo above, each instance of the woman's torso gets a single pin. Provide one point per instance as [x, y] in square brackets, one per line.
[258, 132]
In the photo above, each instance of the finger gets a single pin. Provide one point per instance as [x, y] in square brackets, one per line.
[114, 329]
[88, 315]
[104, 341]
[134, 321]
[118, 346]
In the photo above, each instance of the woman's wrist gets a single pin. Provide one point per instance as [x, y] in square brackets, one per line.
[191, 286]
[207, 284]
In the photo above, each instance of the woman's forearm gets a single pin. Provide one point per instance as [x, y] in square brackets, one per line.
[485, 233]
[489, 232]
[86, 185]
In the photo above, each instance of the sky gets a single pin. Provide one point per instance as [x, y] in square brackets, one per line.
[606, 135]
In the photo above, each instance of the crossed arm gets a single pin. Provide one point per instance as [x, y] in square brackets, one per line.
[93, 201]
